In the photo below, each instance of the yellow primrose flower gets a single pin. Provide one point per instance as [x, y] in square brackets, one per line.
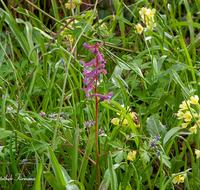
[178, 179]
[115, 121]
[125, 122]
[194, 100]
[184, 125]
[131, 156]
[198, 122]
[193, 129]
[143, 12]
[68, 5]
[187, 116]
[180, 114]
[184, 106]
[139, 28]
[133, 116]
[197, 152]
[150, 13]
[151, 25]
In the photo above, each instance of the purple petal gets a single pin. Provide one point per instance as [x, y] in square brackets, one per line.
[92, 47]
[99, 56]
[104, 97]
[91, 74]
[89, 88]
[89, 64]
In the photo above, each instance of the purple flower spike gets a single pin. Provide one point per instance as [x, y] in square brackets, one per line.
[157, 137]
[104, 97]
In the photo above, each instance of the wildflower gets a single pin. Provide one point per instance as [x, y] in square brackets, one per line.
[103, 97]
[158, 154]
[187, 116]
[42, 114]
[91, 76]
[131, 156]
[178, 179]
[143, 12]
[184, 106]
[180, 114]
[52, 115]
[184, 125]
[92, 122]
[133, 116]
[137, 126]
[198, 122]
[139, 28]
[197, 152]
[63, 62]
[101, 132]
[150, 13]
[194, 100]
[68, 5]
[153, 144]
[125, 122]
[115, 121]
[87, 124]
[157, 137]
[193, 129]
[151, 25]
[25, 160]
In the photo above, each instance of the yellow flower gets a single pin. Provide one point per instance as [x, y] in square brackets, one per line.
[197, 152]
[139, 28]
[115, 121]
[68, 5]
[151, 25]
[178, 179]
[184, 125]
[150, 13]
[187, 116]
[194, 100]
[131, 156]
[184, 106]
[143, 12]
[133, 116]
[193, 129]
[180, 114]
[125, 122]
[198, 122]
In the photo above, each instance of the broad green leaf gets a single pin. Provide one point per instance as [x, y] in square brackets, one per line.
[169, 134]
[155, 127]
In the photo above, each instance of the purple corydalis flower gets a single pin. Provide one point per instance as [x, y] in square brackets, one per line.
[92, 122]
[92, 47]
[153, 144]
[157, 137]
[104, 97]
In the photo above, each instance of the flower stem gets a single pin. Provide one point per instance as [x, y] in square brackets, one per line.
[96, 134]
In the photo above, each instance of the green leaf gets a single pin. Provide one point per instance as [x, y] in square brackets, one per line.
[155, 127]
[56, 168]
[76, 33]
[51, 180]
[37, 182]
[145, 157]
[112, 174]
[170, 133]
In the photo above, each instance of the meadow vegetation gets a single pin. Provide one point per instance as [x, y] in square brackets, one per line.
[101, 95]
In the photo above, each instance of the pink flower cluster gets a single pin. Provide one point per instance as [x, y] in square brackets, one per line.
[93, 75]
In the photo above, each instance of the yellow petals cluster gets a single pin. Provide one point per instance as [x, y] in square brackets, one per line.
[197, 152]
[147, 16]
[186, 107]
[131, 155]
[178, 179]
[74, 4]
[124, 122]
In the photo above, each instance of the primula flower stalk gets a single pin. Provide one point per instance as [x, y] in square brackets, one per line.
[91, 77]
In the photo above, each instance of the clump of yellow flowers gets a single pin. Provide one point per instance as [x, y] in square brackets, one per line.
[147, 16]
[124, 122]
[178, 179]
[74, 4]
[184, 113]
